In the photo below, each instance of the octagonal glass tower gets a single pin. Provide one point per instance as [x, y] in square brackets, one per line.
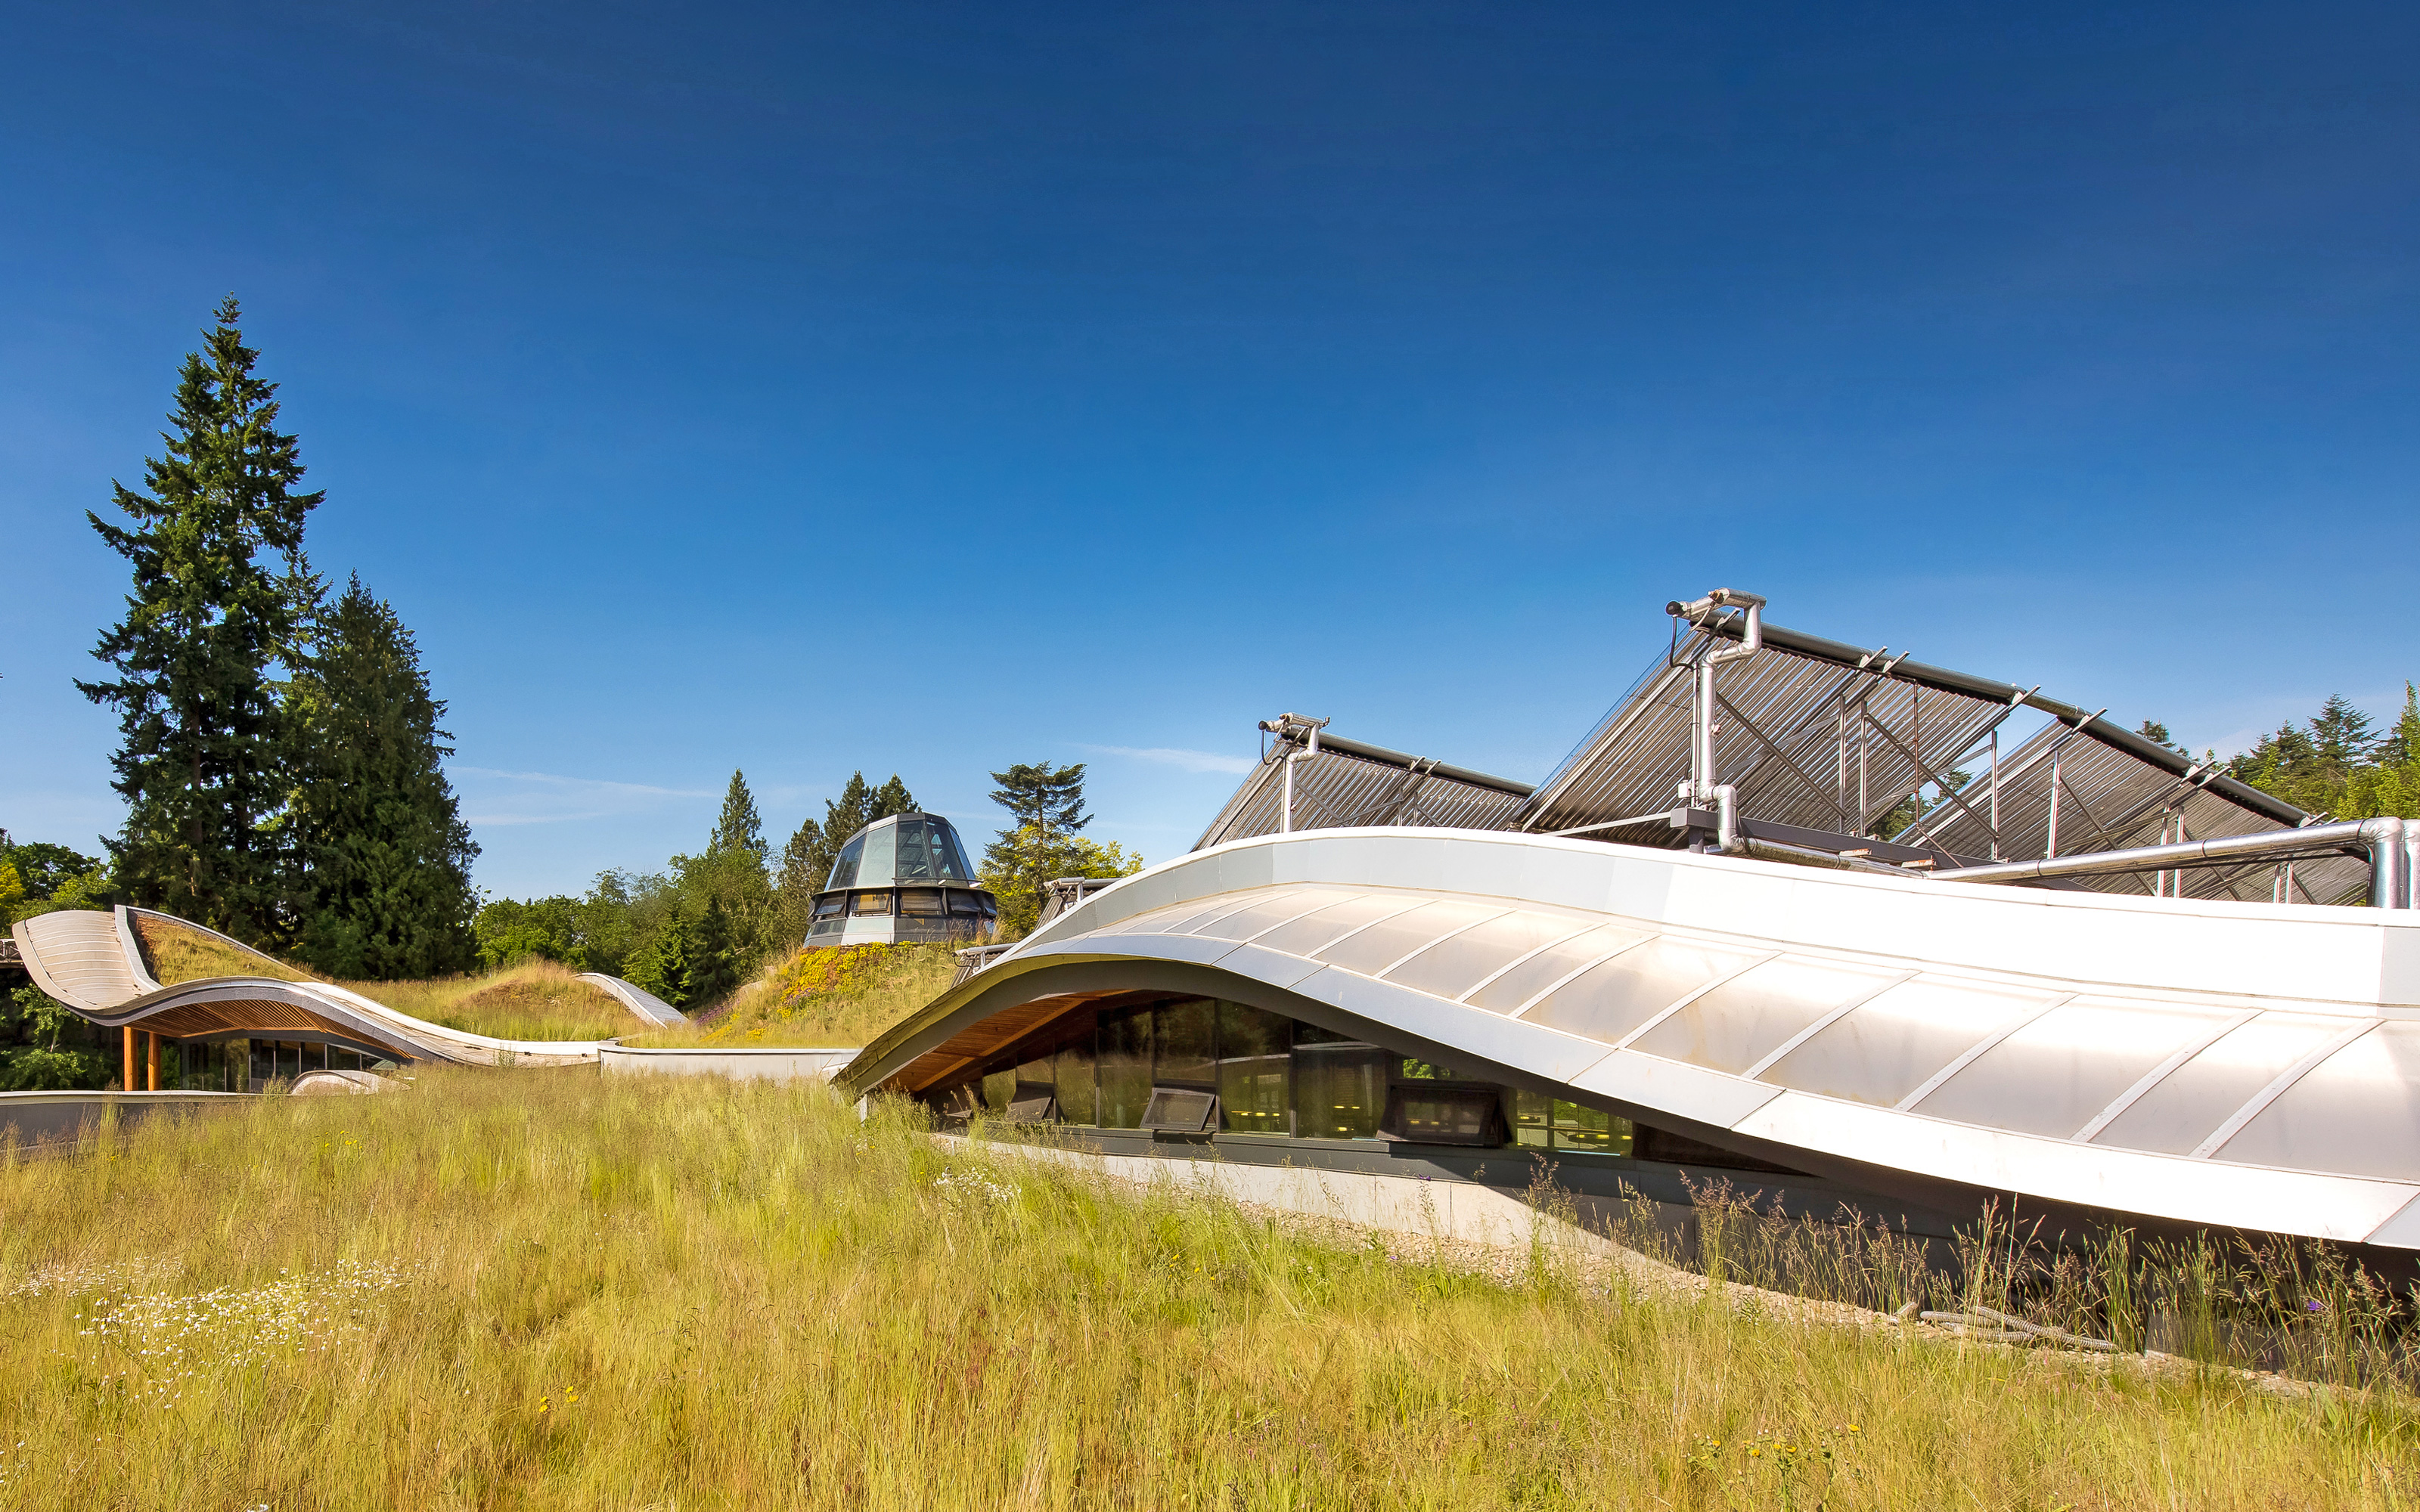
[901, 879]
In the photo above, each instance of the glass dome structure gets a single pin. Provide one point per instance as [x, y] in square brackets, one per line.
[899, 880]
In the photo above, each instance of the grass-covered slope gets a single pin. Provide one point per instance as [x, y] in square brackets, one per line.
[824, 998]
[534, 1000]
[505, 1290]
[176, 954]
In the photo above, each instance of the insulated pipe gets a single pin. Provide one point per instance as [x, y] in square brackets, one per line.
[1701, 761]
[2411, 864]
[2385, 840]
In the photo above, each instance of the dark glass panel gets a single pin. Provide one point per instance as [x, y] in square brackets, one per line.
[1123, 1068]
[1075, 1081]
[1255, 1070]
[1037, 1071]
[915, 861]
[920, 902]
[1313, 1034]
[843, 872]
[828, 908]
[1429, 1071]
[869, 903]
[1185, 1042]
[1338, 1094]
[964, 905]
[1533, 1120]
[1000, 1090]
[1443, 1115]
[947, 852]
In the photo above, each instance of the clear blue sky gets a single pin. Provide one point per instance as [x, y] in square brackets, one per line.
[931, 388]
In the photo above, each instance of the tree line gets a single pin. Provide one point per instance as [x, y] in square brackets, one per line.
[279, 750]
[709, 920]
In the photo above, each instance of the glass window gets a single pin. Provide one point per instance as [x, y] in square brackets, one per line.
[999, 1088]
[1507, 993]
[1338, 1093]
[1443, 1115]
[1123, 1068]
[1745, 1019]
[1551, 1123]
[964, 905]
[865, 903]
[915, 852]
[2192, 1101]
[1180, 1108]
[1607, 1001]
[920, 902]
[829, 907]
[1073, 1071]
[843, 872]
[948, 854]
[1183, 1043]
[1887, 1047]
[1255, 1070]
[1429, 1071]
[881, 855]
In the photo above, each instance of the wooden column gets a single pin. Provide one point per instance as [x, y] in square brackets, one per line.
[127, 1081]
[152, 1072]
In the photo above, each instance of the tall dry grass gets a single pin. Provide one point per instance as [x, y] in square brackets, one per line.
[535, 999]
[174, 953]
[821, 999]
[552, 1288]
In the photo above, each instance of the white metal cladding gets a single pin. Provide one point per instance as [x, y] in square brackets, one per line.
[2205, 1062]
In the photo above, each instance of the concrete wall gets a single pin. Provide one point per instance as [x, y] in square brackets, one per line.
[743, 1064]
[59, 1117]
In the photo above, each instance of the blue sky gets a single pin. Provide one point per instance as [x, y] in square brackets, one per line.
[929, 388]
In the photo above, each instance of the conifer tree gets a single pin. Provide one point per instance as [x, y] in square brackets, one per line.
[1052, 797]
[738, 828]
[383, 884]
[198, 717]
[893, 797]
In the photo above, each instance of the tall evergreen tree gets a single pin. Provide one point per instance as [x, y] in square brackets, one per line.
[738, 828]
[198, 716]
[383, 885]
[1052, 797]
[797, 882]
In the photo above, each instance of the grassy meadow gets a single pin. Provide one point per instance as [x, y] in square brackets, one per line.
[820, 999]
[535, 999]
[552, 1288]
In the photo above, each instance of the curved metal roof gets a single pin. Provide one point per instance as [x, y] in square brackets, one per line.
[89, 961]
[2248, 1066]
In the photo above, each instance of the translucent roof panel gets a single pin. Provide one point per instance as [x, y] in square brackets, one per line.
[1456, 963]
[1609, 1000]
[2056, 1074]
[1260, 916]
[1373, 950]
[1526, 977]
[1315, 931]
[1748, 1018]
[1887, 1048]
[2357, 1112]
[2190, 1102]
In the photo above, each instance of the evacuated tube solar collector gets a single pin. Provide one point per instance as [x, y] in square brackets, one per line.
[901, 880]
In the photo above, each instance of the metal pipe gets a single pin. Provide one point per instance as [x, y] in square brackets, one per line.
[1701, 757]
[2384, 839]
[1396, 758]
[2411, 864]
